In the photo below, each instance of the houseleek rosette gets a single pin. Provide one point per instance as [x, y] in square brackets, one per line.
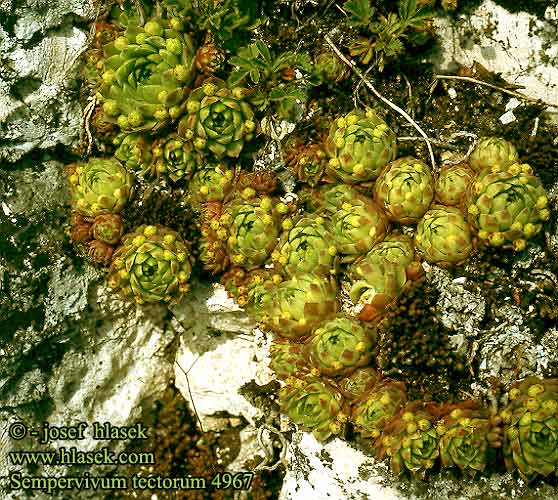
[134, 151]
[531, 428]
[306, 247]
[358, 383]
[146, 76]
[152, 265]
[452, 184]
[357, 226]
[443, 236]
[411, 441]
[219, 119]
[468, 438]
[300, 304]
[373, 411]
[493, 152]
[314, 405]
[174, 158]
[287, 359]
[211, 183]
[507, 205]
[100, 186]
[341, 345]
[405, 189]
[359, 145]
[253, 227]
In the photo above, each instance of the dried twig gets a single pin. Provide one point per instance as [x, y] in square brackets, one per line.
[392, 105]
[190, 391]
[268, 448]
[490, 85]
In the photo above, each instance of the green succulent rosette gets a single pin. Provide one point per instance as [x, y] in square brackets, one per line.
[146, 76]
[376, 281]
[443, 236]
[314, 405]
[151, 265]
[308, 165]
[306, 248]
[358, 383]
[357, 225]
[374, 410]
[359, 145]
[468, 437]
[174, 158]
[340, 346]
[300, 304]
[330, 67]
[219, 119]
[108, 228]
[405, 189]
[329, 198]
[100, 186]
[411, 441]
[287, 359]
[507, 206]
[211, 183]
[253, 227]
[493, 152]
[134, 151]
[452, 184]
[531, 428]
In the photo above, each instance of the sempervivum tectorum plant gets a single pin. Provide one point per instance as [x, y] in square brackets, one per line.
[174, 158]
[329, 198]
[410, 440]
[340, 345]
[358, 383]
[306, 162]
[287, 359]
[359, 145]
[507, 205]
[357, 226]
[493, 152]
[378, 278]
[452, 183]
[134, 151]
[146, 75]
[443, 236]
[405, 189]
[330, 67]
[219, 119]
[108, 228]
[531, 428]
[212, 182]
[306, 247]
[152, 264]
[300, 304]
[212, 245]
[314, 405]
[209, 58]
[469, 436]
[100, 186]
[375, 408]
[252, 226]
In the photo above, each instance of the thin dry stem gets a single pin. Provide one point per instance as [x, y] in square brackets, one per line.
[392, 105]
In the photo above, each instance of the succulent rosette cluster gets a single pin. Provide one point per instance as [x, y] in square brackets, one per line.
[452, 183]
[531, 428]
[341, 345]
[146, 75]
[134, 151]
[357, 225]
[405, 189]
[493, 152]
[287, 359]
[219, 119]
[469, 437]
[300, 304]
[174, 158]
[410, 441]
[152, 264]
[358, 383]
[306, 163]
[211, 183]
[443, 236]
[306, 247]
[315, 405]
[100, 186]
[375, 408]
[507, 205]
[359, 145]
